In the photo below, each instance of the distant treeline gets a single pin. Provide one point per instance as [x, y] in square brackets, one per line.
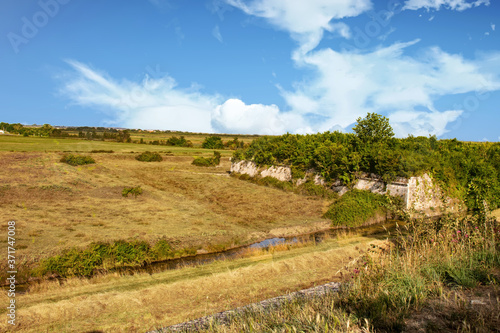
[469, 171]
[118, 135]
[89, 133]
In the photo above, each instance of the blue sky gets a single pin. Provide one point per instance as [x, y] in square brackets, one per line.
[258, 66]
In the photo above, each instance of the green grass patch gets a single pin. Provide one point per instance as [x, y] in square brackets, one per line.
[355, 207]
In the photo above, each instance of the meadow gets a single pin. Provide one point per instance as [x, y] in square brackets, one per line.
[59, 207]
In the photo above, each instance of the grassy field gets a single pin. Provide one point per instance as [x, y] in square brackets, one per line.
[57, 206]
[143, 302]
[15, 143]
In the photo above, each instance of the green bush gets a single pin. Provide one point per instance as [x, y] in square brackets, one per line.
[73, 159]
[107, 256]
[355, 207]
[135, 191]
[207, 162]
[213, 142]
[148, 156]
[180, 142]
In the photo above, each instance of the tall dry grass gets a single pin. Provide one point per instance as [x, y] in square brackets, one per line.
[433, 270]
[143, 302]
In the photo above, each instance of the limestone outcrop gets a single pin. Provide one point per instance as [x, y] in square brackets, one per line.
[420, 194]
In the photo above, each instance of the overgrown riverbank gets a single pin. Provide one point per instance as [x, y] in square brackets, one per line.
[448, 270]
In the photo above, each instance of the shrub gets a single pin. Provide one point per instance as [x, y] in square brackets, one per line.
[106, 256]
[206, 162]
[148, 156]
[181, 142]
[213, 142]
[355, 207]
[102, 151]
[73, 159]
[135, 191]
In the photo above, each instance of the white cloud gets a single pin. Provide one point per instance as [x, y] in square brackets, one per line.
[305, 20]
[492, 26]
[458, 5]
[234, 116]
[216, 33]
[420, 123]
[161, 104]
[152, 103]
[347, 85]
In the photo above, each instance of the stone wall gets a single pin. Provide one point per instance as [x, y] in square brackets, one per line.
[282, 173]
[418, 193]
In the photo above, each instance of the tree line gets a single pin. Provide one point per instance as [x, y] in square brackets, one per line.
[466, 170]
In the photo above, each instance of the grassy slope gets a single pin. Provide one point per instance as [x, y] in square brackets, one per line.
[58, 206]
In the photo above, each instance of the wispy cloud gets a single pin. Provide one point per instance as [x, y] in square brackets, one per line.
[152, 103]
[216, 33]
[348, 84]
[306, 21]
[459, 5]
[492, 27]
[341, 86]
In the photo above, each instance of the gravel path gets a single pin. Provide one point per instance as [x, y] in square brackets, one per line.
[193, 325]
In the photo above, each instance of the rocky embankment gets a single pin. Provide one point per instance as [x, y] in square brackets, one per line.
[225, 316]
[420, 195]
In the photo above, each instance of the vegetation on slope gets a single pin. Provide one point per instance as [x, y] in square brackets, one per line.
[428, 270]
[356, 207]
[468, 171]
[207, 162]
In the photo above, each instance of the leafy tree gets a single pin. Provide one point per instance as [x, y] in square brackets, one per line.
[213, 142]
[373, 128]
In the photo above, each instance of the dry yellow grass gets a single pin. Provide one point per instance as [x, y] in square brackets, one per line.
[144, 302]
[496, 214]
[57, 206]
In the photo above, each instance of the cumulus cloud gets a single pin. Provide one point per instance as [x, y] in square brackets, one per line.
[152, 103]
[161, 104]
[459, 5]
[342, 85]
[306, 21]
[234, 116]
[347, 85]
